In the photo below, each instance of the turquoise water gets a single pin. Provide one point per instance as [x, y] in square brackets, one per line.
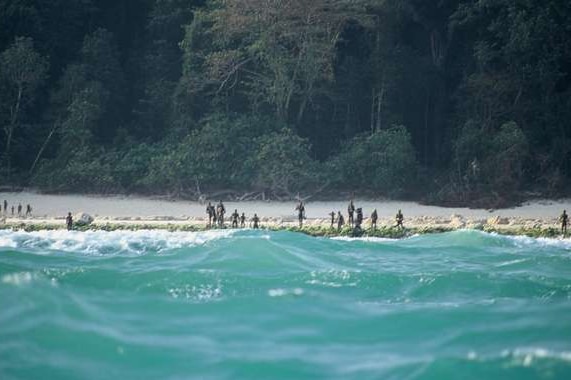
[261, 305]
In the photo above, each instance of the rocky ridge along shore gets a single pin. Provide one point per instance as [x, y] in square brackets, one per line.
[314, 226]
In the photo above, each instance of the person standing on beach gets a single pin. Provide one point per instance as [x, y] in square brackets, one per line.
[19, 209]
[340, 220]
[235, 217]
[5, 207]
[350, 212]
[221, 210]
[28, 210]
[12, 210]
[564, 219]
[69, 221]
[243, 220]
[374, 217]
[359, 220]
[399, 218]
[210, 212]
[332, 213]
[256, 220]
[300, 208]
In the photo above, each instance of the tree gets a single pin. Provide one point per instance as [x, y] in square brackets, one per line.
[383, 162]
[23, 71]
[282, 163]
[280, 52]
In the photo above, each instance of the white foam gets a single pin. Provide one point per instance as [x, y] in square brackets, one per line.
[541, 242]
[526, 355]
[511, 262]
[18, 278]
[368, 239]
[99, 242]
[6, 242]
[201, 293]
[333, 278]
[279, 292]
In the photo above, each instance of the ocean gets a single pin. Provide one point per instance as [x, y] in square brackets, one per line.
[281, 305]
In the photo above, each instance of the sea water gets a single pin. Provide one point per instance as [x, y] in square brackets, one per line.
[280, 305]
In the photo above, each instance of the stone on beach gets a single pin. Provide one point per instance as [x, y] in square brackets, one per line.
[457, 221]
[497, 220]
[83, 219]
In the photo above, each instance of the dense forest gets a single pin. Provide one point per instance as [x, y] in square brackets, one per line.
[446, 101]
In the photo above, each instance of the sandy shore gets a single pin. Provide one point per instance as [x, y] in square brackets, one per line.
[129, 209]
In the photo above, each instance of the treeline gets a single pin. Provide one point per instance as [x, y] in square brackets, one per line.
[451, 101]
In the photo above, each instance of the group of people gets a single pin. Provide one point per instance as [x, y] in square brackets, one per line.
[216, 217]
[13, 208]
[355, 218]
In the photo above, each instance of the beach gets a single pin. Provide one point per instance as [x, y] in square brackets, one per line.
[136, 210]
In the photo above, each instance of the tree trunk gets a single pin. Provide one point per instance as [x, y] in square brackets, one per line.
[426, 117]
[44, 145]
[379, 107]
[11, 127]
[373, 101]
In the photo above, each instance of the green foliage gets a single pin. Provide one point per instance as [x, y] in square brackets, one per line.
[85, 170]
[506, 163]
[495, 159]
[22, 71]
[182, 97]
[383, 162]
[282, 163]
[131, 167]
[216, 155]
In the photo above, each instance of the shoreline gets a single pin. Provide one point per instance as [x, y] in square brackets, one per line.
[312, 227]
[537, 218]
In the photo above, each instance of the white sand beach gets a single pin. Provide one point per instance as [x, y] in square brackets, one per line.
[135, 208]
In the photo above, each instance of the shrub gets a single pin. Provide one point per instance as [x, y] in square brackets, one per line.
[282, 163]
[383, 161]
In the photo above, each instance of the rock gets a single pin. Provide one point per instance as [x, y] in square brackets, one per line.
[457, 221]
[496, 220]
[533, 224]
[476, 226]
[82, 219]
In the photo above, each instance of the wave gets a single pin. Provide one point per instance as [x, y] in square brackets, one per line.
[432, 306]
[107, 242]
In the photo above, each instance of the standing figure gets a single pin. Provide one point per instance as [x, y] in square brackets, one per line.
[300, 208]
[399, 218]
[359, 220]
[332, 213]
[19, 209]
[340, 220]
[243, 220]
[12, 210]
[28, 210]
[69, 221]
[374, 217]
[256, 220]
[350, 211]
[210, 212]
[564, 219]
[5, 207]
[235, 217]
[221, 210]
